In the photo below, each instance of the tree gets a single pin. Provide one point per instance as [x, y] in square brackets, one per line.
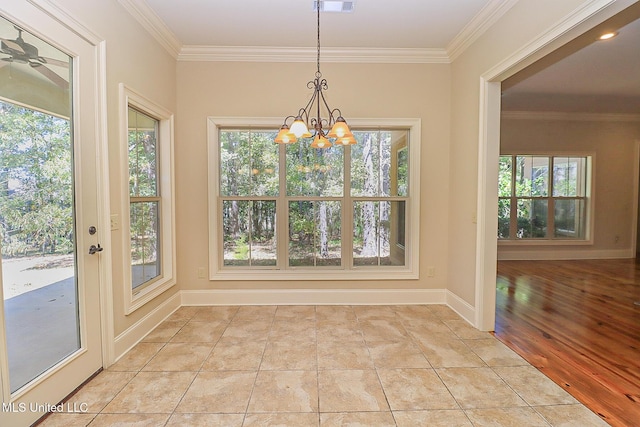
[36, 189]
[369, 235]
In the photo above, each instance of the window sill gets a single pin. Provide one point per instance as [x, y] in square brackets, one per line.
[299, 274]
[138, 299]
[544, 242]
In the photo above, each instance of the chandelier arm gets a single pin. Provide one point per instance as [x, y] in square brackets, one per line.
[305, 112]
[318, 116]
[331, 119]
[287, 118]
[336, 115]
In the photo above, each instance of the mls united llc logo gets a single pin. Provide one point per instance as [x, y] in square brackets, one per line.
[44, 407]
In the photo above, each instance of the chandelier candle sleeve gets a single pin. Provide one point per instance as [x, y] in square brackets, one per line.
[304, 123]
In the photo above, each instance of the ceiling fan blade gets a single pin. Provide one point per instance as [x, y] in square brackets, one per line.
[62, 83]
[57, 62]
[11, 44]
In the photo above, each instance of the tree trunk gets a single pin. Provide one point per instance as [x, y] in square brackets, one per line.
[324, 240]
[369, 240]
[235, 223]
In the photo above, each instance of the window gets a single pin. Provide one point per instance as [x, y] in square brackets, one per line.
[144, 198]
[290, 211]
[544, 197]
[149, 226]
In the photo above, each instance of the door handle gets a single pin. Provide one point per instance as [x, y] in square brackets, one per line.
[93, 249]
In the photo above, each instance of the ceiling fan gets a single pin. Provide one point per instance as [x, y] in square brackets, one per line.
[22, 52]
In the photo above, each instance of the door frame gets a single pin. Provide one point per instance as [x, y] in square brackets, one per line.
[49, 12]
[580, 21]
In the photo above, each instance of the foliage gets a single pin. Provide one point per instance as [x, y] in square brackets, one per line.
[36, 182]
[526, 180]
[144, 206]
[314, 186]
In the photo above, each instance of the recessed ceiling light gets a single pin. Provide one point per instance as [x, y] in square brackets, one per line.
[607, 36]
[333, 6]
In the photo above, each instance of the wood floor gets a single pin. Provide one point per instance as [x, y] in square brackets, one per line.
[579, 323]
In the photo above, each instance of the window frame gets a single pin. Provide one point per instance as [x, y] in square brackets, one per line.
[218, 272]
[138, 297]
[549, 239]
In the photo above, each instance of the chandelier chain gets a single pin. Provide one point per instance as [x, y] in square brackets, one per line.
[338, 131]
[318, 73]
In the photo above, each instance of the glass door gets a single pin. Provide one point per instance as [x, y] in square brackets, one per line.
[48, 210]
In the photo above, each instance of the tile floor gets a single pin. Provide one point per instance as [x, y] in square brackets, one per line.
[322, 366]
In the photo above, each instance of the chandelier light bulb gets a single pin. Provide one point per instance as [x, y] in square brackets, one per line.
[340, 129]
[285, 136]
[299, 128]
[321, 141]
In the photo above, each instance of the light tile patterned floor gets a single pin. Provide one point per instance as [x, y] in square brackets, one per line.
[322, 366]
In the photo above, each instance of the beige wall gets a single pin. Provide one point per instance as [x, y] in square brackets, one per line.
[444, 96]
[137, 60]
[613, 144]
[527, 21]
[279, 89]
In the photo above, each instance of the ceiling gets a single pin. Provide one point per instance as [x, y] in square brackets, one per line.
[292, 23]
[585, 76]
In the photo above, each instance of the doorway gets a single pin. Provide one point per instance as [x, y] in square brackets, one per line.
[50, 323]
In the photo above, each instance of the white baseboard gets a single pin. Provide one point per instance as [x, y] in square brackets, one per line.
[132, 336]
[313, 296]
[566, 254]
[460, 306]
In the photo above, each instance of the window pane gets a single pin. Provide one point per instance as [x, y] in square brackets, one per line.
[371, 163]
[235, 232]
[145, 260]
[569, 176]
[314, 172]
[365, 233]
[569, 218]
[365, 165]
[234, 163]
[532, 218]
[143, 154]
[378, 235]
[532, 176]
[249, 230]
[504, 176]
[37, 239]
[314, 233]
[263, 232]
[504, 218]
[264, 164]
[402, 173]
[392, 233]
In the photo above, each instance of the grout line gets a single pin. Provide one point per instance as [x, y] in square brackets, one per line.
[255, 380]
[358, 324]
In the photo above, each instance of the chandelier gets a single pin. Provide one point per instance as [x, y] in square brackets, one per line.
[339, 132]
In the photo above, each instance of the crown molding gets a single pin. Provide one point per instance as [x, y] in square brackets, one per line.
[570, 116]
[155, 26]
[478, 25]
[308, 54]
